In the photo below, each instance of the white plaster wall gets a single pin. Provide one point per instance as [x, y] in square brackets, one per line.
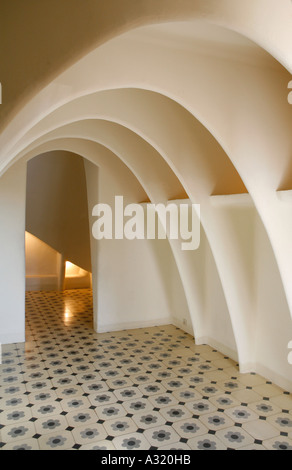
[12, 264]
[138, 282]
[218, 327]
[274, 327]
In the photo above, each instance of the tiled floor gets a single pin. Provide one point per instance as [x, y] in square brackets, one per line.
[70, 388]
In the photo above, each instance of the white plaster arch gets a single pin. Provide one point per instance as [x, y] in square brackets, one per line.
[249, 167]
[261, 191]
[239, 325]
[105, 158]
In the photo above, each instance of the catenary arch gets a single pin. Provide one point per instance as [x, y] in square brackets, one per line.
[115, 19]
[102, 156]
[247, 177]
[247, 174]
[211, 119]
[74, 132]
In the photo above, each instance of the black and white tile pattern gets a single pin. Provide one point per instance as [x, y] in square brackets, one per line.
[68, 387]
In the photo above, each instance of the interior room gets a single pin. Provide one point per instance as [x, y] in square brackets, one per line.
[137, 344]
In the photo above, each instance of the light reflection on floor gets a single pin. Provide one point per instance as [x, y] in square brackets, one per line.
[68, 387]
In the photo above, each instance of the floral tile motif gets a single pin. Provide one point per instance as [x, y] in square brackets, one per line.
[100, 445]
[119, 382]
[15, 416]
[234, 437]
[241, 414]
[175, 413]
[128, 393]
[103, 398]
[216, 421]
[187, 395]
[175, 446]
[161, 436]
[18, 432]
[174, 384]
[200, 407]
[146, 420]
[278, 443]
[79, 417]
[138, 405]
[206, 442]
[68, 387]
[224, 401]
[44, 410]
[46, 396]
[56, 441]
[190, 428]
[51, 424]
[69, 391]
[110, 411]
[134, 441]
[282, 421]
[117, 427]
[27, 444]
[94, 387]
[151, 389]
[10, 402]
[163, 400]
[89, 433]
[75, 403]
[264, 408]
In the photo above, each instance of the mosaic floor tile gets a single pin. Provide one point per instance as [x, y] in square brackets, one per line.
[75, 403]
[110, 411]
[46, 409]
[235, 437]
[190, 428]
[134, 441]
[100, 445]
[15, 416]
[282, 422]
[62, 440]
[51, 424]
[241, 414]
[161, 436]
[148, 420]
[264, 408]
[89, 433]
[68, 387]
[206, 442]
[27, 444]
[278, 443]
[175, 446]
[201, 407]
[224, 402]
[119, 426]
[175, 413]
[80, 417]
[138, 405]
[216, 421]
[260, 430]
[18, 432]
